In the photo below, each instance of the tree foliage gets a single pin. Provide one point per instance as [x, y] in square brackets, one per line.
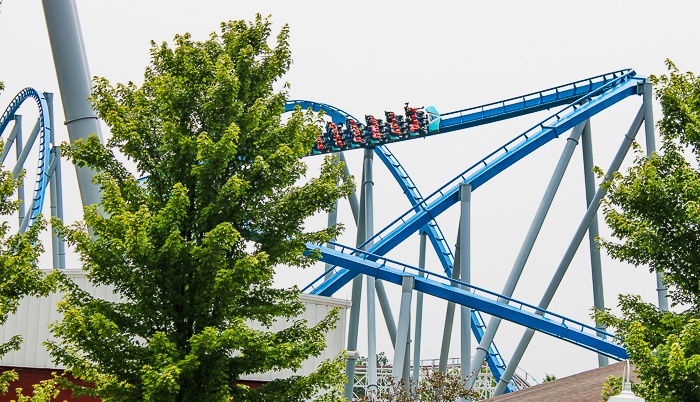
[654, 213]
[434, 386]
[193, 246]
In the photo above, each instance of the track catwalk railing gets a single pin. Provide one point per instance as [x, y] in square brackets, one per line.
[487, 168]
[471, 296]
[525, 104]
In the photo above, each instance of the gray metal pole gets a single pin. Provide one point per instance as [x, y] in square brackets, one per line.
[332, 220]
[573, 246]
[379, 285]
[16, 128]
[419, 311]
[402, 338]
[407, 359]
[54, 206]
[24, 150]
[18, 152]
[386, 310]
[593, 233]
[465, 194]
[356, 298]
[519, 265]
[367, 188]
[450, 314]
[661, 288]
[74, 81]
[354, 204]
[56, 178]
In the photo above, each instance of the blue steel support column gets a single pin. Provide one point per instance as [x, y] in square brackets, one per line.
[367, 189]
[450, 314]
[528, 244]
[74, 82]
[593, 233]
[573, 246]
[402, 336]
[419, 310]
[661, 288]
[465, 195]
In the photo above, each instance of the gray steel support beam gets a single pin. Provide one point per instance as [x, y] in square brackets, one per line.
[573, 246]
[18, 152]
[368, 193]
[356, 296]
[450, 313]
[354, 204]
[74, 82]
[407, 359]
[419, 311]
[593, 232]
[528, 244]
[24, 150]
[54, 206]
[332, 220]
[379, 285]
[386, 310]
[661, 288]
[465, 195]
[59, 250]
[16, 129]
[402, 337]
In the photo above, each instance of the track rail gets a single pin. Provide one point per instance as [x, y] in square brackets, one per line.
[524, 104]
[474, 297]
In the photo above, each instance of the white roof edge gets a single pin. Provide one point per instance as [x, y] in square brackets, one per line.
[329, 301]
[305, 297]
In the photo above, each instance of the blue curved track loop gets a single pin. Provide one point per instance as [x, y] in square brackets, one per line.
[442, 248]
[44, 144]
[487, 168]
[441, 286]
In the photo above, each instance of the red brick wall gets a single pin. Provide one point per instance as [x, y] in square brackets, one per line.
[31, 376]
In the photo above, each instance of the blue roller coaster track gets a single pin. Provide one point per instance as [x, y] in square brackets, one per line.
[479, 173]
[44, 144]
[583, 99]
[392, 271]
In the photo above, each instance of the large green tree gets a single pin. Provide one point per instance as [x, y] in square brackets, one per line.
[654, 212]
[192, 247]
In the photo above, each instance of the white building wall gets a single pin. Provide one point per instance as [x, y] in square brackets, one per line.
[34, 315]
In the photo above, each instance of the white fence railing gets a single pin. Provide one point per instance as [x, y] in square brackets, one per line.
[485, 383]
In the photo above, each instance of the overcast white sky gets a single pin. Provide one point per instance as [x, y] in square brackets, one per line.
[367, 57]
